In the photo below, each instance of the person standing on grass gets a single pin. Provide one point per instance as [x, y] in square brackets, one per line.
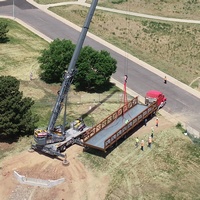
[142, 145]
[145, 121]
[149, 142]
[157, 121]
[136, 142]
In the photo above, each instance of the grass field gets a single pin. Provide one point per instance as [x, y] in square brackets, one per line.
[171, 47]
[187, 9]
[18, 58]
[170, 170]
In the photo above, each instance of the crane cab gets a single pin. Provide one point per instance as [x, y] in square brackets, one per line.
[42, 137]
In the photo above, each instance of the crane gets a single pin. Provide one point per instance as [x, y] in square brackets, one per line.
[55, 140]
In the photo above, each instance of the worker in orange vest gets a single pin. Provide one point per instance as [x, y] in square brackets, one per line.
[157, 122]
[149, 142]
[142, 145]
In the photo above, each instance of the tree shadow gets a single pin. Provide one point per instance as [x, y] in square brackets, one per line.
[106, 87]
[4, 40]
[102, 101]
[14, 138]
[9, 139]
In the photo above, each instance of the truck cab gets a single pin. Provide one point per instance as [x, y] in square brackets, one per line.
[154, 95]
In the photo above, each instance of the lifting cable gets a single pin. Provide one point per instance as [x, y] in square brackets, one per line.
[126, 55]
[127, 17]
[126, 58]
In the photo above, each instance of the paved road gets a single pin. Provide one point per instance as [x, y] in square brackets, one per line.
[183, 105]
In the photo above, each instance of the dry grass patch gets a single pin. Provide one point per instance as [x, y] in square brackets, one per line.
[166, 171]
[34, 93]
[189, 9]
[18, 57]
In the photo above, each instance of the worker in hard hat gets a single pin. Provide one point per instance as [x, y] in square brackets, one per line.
[157, 121]
[142, 145]
[77, 123]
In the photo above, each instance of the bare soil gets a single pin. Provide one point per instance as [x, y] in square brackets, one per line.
[80, 182]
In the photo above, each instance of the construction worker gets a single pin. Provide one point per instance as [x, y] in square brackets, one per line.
[142, 145]
[157, 121]
[77, 123]
[126, 121]
[136, 142]
[165, 80]
[149, 142]
[152, 132]
[145, 121]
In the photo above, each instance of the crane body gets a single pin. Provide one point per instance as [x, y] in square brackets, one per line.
[54, 140]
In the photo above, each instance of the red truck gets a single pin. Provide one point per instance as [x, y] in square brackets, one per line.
[154, 95]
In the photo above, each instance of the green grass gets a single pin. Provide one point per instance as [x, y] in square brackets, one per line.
[22, 144]
[167, 171]
[18, 58]
[19, 55]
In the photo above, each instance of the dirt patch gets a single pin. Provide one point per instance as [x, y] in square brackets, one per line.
[80, 182]
[5, 146]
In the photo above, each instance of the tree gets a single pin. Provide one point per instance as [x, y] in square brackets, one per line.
[55, 59]
[3, 32]
[94, 69]
[16, 117]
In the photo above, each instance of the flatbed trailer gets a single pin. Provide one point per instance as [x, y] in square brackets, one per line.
[118, 124]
